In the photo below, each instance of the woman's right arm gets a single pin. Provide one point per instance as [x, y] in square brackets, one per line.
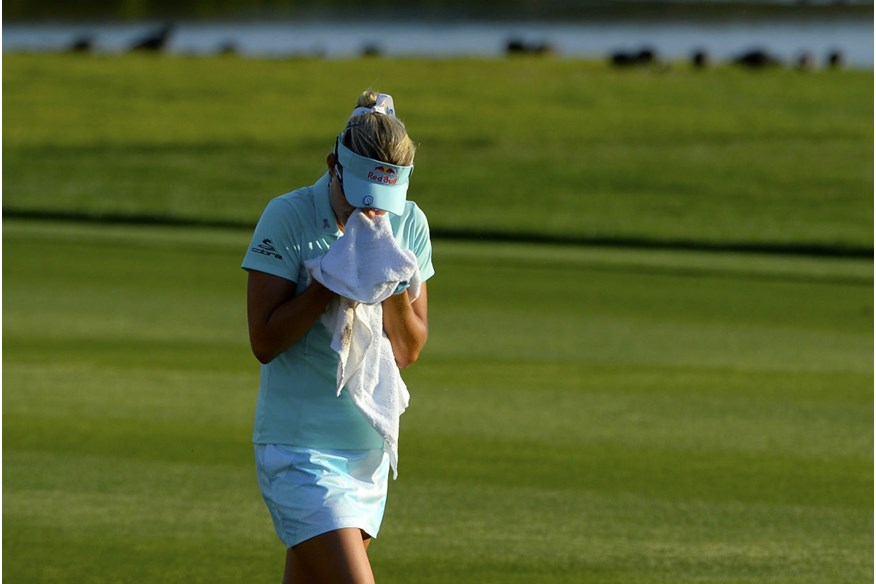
[277, 318]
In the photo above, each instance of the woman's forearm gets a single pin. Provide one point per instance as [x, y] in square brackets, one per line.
[406, 326]
[273, 330]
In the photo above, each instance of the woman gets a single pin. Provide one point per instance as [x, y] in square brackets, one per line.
[322, 468]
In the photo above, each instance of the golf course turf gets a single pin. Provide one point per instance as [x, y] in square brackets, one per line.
[581, 413]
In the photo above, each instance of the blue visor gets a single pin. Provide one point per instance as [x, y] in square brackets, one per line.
[373, 184]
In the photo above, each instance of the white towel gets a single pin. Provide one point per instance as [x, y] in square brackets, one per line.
[365, 267]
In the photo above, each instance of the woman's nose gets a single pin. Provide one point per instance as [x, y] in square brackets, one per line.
[372, 213]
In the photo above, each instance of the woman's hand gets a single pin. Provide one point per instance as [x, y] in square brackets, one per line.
[277, 318]
[406, 325]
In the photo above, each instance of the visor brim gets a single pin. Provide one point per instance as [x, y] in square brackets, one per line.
[365, 194]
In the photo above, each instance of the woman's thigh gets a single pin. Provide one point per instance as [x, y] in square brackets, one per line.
[336, 556]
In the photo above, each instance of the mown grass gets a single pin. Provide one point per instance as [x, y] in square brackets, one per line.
[557, 148]
[579, 415]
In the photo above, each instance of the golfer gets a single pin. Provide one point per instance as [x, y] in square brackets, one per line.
[321, 465]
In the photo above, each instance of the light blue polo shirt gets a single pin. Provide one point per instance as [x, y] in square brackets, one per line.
[297, 402]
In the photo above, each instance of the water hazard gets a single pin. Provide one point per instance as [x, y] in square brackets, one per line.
[786, 39]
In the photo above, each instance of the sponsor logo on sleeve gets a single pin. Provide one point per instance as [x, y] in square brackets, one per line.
[266, 247]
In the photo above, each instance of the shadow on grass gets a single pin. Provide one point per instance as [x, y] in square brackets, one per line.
[800, 249]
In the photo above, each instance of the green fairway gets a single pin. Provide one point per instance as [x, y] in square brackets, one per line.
[579, 414]
[557, 148]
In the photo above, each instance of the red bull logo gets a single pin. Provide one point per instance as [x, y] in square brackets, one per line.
[384, 175]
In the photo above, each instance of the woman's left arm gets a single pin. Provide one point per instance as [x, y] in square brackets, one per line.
[406, 325]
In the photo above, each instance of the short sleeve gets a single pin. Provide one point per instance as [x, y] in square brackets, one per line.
[274, 248]
[420, 243]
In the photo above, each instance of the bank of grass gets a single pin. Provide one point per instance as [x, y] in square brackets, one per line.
[579, 415]
[550, 147]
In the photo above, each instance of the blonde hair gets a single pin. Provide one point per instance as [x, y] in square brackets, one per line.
[378, 136]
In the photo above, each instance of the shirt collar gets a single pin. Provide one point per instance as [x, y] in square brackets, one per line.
[325, 215]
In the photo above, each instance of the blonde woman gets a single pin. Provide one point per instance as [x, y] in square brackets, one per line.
[322, 467]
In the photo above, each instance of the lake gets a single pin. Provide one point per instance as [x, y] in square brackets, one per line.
[672, 40]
